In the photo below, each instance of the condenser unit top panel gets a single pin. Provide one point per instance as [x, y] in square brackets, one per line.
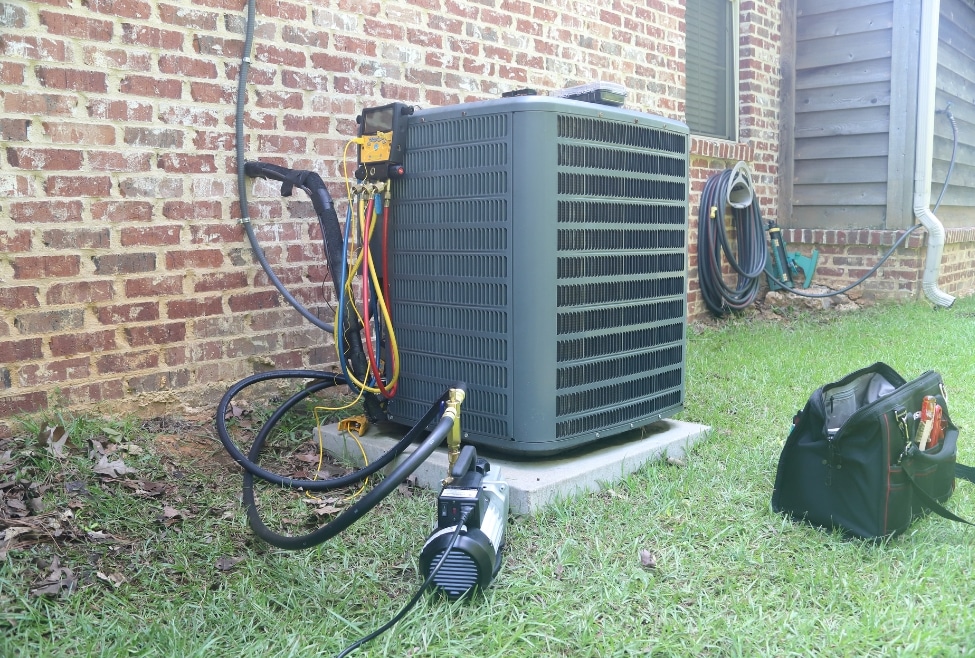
[547, 104]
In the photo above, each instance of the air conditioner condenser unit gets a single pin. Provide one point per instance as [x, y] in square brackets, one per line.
[538, 252]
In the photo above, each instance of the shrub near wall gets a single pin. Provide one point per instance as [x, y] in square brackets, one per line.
[124, 275]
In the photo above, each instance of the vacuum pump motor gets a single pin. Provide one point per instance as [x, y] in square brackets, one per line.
[475, 558]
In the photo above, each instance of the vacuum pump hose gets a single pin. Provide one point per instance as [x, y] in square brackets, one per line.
[321, 381]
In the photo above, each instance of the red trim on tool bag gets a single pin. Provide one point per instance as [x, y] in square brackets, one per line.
[887, 466]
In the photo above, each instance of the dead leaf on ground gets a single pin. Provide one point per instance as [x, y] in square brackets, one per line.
[16, 508]
[48, 434]
[113, 579]
[325, 506]
[327, 510]
[97, 449]
[407, 486]
[8, 534]
[330, 471]
[7, 461]
[21, 498]
[113, 469]
[76, 487]
[54, 438]
[7, 538]
[59, 580]
[673, 461]
[171, 515]
[235, 411]
[227, 563]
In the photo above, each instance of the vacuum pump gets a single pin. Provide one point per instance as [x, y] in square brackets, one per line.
[476, 492]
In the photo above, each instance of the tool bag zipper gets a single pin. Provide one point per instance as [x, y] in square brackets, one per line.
[894, 400]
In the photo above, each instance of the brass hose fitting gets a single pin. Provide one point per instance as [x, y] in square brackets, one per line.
[455, 397]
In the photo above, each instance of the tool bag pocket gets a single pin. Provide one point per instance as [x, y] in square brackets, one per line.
[850, 463]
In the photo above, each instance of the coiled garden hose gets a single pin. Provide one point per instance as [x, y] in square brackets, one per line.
[713, 245]
[732, 184]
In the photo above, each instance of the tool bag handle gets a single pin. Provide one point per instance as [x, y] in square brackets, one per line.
[961, 471]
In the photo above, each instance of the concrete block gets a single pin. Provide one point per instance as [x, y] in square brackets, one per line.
[535, 482]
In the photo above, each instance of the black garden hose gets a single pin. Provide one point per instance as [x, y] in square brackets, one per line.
[714, 246]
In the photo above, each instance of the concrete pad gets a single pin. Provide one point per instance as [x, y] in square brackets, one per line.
[534, 483]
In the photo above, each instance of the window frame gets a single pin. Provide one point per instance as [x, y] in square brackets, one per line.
[731, 73]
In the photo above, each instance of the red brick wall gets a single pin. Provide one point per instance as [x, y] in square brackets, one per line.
[124, 276]
[847, 255]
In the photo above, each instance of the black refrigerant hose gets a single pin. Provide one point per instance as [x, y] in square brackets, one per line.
[353, 513]
[328, 221]
[245, 61]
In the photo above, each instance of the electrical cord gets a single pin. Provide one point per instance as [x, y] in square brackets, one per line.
[464, 513]
[900, 240]
[883, 259]
[954, 153]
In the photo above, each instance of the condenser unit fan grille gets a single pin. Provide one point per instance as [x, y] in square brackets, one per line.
[623, 326]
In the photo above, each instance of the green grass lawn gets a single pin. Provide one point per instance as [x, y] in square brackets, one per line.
[162, 562]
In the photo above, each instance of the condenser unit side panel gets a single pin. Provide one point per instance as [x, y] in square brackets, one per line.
[450, 269]
[534, 204]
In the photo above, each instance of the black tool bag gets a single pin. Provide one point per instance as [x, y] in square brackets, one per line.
[852, 460]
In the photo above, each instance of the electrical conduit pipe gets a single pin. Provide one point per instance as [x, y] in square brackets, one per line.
[928, 70]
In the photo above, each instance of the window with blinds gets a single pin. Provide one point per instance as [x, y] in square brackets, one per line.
[711, 67]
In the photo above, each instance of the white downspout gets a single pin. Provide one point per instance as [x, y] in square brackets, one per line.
[927, 74]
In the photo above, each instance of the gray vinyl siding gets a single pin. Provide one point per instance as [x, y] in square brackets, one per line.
[854, 113]
[843, 97]
[955, 83]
